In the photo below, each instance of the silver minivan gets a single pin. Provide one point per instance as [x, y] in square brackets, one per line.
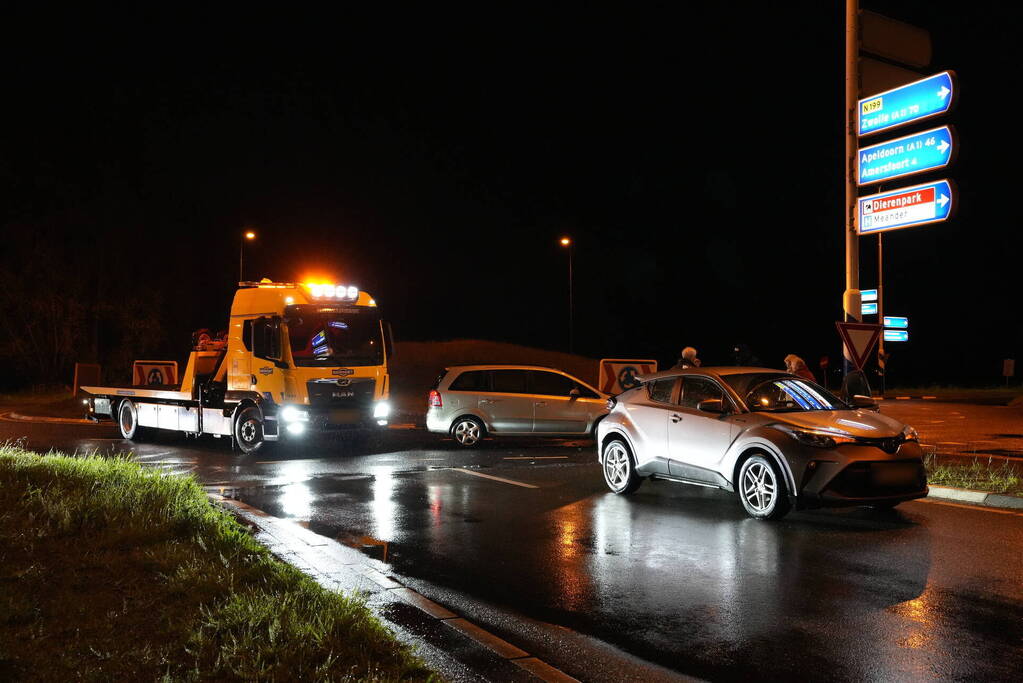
[470, 402]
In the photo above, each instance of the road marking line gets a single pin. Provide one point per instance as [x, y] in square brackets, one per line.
[928, 397]
[536, 457]
[980, 508]
[903, 398]
[501, 479]
[951, 443]
[485, 638]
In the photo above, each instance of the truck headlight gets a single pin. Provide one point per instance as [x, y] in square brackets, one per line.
[382, 409]
[293, 414]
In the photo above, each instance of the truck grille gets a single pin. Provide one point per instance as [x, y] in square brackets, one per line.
[348, 392]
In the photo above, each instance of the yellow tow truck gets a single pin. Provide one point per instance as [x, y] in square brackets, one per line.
[297, 358]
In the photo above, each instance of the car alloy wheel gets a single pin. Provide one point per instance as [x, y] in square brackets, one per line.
[467, 432]
[619, 474]
[760, 489]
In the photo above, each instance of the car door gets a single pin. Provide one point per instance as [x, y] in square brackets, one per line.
[649, 417]
[697, 440]
[556, 410]
[508, 407]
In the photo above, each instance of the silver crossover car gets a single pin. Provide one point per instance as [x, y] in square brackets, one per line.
[778, 441]
[473, 401]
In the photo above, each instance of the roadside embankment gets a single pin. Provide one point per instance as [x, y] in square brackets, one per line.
[109, 571]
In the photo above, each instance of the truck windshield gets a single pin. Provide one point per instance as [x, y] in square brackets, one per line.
[334, 335]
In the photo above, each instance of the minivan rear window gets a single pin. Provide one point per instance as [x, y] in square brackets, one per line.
[473, 380]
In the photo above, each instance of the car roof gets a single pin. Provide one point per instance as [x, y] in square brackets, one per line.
[504, 366]
[720, 371]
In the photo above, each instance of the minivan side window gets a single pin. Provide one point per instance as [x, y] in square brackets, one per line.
[472, 380]
[660, 390]
[550, 384]
[509, 381]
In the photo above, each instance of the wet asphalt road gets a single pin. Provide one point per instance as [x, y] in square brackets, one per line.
[523, 538]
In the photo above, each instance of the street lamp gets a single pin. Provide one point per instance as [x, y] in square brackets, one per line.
[567, 243]
[247, 235]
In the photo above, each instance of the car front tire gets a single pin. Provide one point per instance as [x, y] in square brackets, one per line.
[619, 468]
[761, 489]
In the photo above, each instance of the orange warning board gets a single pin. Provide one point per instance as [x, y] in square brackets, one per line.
[154, 372]
[619, 374]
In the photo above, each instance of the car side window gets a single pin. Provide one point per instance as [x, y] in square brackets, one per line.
[660, 390]
[509, 381]
[550, 384]
[472, 380]
[697, 389]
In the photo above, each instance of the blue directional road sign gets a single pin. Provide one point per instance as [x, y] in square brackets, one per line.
[893, 321]
[907, 104]
[926, 151]
[868, 309]
[896, 335]
[905, 207]
[868, 295]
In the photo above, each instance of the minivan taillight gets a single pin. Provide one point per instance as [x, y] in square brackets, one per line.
[435, 400]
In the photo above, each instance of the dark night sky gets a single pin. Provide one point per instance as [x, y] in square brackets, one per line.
[435, 157]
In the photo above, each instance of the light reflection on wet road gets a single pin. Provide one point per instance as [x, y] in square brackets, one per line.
[676, 575]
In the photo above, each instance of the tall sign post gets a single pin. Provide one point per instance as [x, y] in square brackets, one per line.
[851, 300]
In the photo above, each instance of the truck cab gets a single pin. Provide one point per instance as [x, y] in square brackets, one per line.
[298, 358]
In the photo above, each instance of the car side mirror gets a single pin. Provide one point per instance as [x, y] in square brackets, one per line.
[865, 402]
[711, 405]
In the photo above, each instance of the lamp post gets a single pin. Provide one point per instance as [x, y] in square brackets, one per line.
[567, 243]
[247, 235]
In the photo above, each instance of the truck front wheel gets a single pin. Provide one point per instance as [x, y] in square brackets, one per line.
[128, 420]
[248, 430]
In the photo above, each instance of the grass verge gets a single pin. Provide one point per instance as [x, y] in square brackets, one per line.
[109, 570]
[980, 474]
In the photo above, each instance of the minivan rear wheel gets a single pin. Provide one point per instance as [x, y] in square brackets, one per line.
[468, 432]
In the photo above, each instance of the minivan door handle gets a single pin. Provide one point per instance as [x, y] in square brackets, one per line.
[540, 404]
[675, 417]
[487, 400]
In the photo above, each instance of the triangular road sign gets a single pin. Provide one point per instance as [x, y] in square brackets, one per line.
[859, 340]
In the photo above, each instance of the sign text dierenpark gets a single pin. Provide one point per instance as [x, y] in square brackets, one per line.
[917, 153]
[907, 103]
[905, 207]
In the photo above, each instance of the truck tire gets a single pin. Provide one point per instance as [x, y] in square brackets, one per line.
[248, 430]
[128, 421]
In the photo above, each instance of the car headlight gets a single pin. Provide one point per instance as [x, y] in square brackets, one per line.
[815, 438]
[382, 409]
[293, 414]
[910, 433]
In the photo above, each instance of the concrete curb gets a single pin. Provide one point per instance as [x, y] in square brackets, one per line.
[338, 567]
[987, 498]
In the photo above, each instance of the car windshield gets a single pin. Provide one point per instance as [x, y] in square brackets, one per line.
[335, 335]
[783, 393]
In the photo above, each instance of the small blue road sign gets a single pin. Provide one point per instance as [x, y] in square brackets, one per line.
[868, 309]
[894, 321]
[905, 208]
[907, 104]
[926, 151]
[868, 295]
[896, 335]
